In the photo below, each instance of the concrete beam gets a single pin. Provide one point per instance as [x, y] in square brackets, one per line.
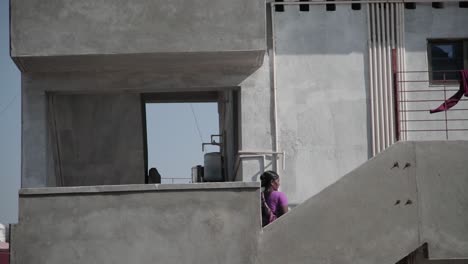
[65, 27]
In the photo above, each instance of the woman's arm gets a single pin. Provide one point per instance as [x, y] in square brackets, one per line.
[283, 202]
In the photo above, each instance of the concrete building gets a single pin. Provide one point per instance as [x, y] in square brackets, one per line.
[312, 90]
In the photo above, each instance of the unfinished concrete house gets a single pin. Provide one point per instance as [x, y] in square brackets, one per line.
[334, 95]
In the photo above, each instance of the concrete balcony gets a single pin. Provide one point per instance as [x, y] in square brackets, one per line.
[185, 223]
[176, 32]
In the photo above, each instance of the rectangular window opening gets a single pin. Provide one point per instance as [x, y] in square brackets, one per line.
[446, 58]
[175, 133]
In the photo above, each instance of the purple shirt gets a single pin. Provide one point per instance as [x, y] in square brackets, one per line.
[276, 200]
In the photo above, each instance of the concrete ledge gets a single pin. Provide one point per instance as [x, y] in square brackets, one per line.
[159, 62]
[145, 224]
[47, 28]
[137, 188]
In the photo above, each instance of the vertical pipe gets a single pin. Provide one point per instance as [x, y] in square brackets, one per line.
[379, 77]
[391, 126]
[394, 113]
[376, 77]
[403, 68]
[400, 69]
[395, 93]
[273, 92]
[392, 25]
[384, 74]
[399, 74]
[394, 46]
[371, 78]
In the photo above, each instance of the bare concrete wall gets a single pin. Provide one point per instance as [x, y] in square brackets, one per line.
[322, 76]
[229, 129]
[64, 27]
[98, 138]
[442, 183]
[197, 223]
[256, 122]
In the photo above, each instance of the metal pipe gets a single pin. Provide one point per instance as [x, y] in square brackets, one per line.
[259, 152]
[435, 130]
[242, 156]
[375, 73]
[392, 25]
[267, 152]
[399, 66]
[371, 75]
[403, 59]
[394, 112]
[273, 91]
[391, 125]
[438, 120]
[395, 95]
[422, 91]
[383, 19]
[379, 79]
[428, 71]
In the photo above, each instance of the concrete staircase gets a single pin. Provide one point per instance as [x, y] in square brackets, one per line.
[411, 194]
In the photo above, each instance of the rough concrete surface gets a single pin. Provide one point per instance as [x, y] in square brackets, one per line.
[98, 137]
[410, 194]
[206, 223]
[67, 27]
[442, 189]
[322, 96]
[363, 218]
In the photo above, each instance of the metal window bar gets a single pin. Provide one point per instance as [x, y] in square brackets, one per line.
[174, 180]
[419, 98]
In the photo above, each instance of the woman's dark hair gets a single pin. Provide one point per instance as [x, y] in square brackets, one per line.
[267, 177]
[153, 171]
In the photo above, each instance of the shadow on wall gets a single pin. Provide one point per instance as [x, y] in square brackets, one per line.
[294, 33]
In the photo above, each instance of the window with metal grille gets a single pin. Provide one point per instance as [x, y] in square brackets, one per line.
[446, 57]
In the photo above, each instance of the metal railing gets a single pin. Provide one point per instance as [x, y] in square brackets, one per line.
[175, 180]
[417, 95]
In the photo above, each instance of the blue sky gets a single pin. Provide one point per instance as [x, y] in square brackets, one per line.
[10, 124]
[174, 142]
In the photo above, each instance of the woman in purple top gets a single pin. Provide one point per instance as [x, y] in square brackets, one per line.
[274, 203]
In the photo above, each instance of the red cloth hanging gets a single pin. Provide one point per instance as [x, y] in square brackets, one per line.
[452, 101]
